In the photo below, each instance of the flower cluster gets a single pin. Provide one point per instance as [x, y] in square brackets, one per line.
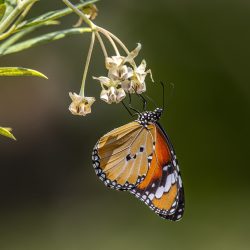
[123, 77]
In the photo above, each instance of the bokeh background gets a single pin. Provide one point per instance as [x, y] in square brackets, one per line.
[50, 196]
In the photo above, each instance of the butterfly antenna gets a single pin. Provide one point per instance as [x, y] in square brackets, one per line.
[163, 97]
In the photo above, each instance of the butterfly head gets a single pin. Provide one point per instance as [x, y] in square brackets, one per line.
[147, 117]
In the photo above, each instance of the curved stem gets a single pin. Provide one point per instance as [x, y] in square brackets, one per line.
[109, 34]
[80, 14]
[102, 44]
[112, 42]
[87, 63]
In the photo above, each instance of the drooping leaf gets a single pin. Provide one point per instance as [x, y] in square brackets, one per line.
[7, 133]
[16, 37]
[19, 71]
[52, 15]
[53, 36]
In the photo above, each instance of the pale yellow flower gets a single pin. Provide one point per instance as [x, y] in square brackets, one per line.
[118, 70]
[112, 95]
[80, 105]
[137, 81]
[121, 73]
[123, 76]
[132, 55]
[114, 61]
[111, 90]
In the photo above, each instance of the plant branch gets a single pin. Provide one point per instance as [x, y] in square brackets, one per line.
[109, 34]
[19, 19]
[102, 44]
[21, 6]
[80, 14]
[87, 63]
[112, 43]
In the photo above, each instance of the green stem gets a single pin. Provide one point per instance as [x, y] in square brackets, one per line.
[102, 44]
[112, 43]
[80, 14]
[87, 64]
[19, 19]
[109, 34]
[14, 14]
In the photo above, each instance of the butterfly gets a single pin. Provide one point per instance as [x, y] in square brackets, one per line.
[138, 157]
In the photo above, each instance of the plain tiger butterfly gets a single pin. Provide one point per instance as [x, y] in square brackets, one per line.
[139, 158]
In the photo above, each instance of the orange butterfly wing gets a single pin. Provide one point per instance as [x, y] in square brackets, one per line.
[162, 188]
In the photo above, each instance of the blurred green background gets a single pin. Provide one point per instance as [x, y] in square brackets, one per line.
[50, 196]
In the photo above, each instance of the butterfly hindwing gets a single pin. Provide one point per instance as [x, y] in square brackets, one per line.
[162, 188]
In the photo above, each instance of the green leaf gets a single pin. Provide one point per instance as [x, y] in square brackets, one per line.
[53, 36]
[52, 15]
[19, 71]
[16, 37]
[6, 132]
[2, 10]
[10, 5]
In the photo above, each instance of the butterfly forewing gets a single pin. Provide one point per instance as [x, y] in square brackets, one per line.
[121, 157]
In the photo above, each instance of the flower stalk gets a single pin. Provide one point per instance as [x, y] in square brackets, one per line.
[80, 14]
[102, 44]
[124, 76]
[87, 63]
[109, 35]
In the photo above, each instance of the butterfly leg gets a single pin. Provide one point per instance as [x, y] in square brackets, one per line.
[144, 101]
[130, 105]
[129, 111]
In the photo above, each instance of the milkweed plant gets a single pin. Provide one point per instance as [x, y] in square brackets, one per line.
[124, 76]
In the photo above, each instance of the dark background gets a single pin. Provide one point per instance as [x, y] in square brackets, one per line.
[50, 196]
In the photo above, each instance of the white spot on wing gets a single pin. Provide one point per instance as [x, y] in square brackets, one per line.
[159, 192]
[168, 183]
[180, 181]
[165, 168]
[178, 168]
[173, 178]
[172, 211]
[151, 197]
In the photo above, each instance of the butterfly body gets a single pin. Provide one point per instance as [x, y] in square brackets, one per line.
[139, 158]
